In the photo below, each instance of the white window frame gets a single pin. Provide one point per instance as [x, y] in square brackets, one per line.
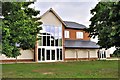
[67, 34]
[79, 35]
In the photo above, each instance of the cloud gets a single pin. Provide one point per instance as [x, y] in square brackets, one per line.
[69, 11]
[68, 0]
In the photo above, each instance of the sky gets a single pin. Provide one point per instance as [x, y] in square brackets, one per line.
[68, 10]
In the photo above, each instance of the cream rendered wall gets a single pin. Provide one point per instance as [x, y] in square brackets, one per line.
[93, 53]
[70, 53]
[50, 19]
[108, 53]
[82, 53]
[25, 54]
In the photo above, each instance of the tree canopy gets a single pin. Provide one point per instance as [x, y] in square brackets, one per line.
[105, 24]
[19, 27]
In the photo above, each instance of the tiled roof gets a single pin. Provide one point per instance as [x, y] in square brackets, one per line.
[80, 44]
[74, 25]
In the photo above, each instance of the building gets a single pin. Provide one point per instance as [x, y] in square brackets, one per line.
[60, 41]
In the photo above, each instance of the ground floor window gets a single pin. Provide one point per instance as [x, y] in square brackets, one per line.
[102, 54]
[50, 54]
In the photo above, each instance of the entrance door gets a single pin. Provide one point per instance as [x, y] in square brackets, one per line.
[50, 54]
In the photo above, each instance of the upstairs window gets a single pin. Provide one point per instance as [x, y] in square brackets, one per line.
[79, 35]
[66, 34]
[50, 35]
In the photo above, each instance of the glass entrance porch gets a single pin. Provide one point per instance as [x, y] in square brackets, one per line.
[50, 55]
[50, 44]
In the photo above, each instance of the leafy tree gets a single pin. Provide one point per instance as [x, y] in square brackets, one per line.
[19, 27]
[116, 53]
[105, 24]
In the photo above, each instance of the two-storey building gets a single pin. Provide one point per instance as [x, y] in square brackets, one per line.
[63, 40]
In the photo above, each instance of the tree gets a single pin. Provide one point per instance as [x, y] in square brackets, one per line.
[105, 24]
[19, 27]
[116, 53]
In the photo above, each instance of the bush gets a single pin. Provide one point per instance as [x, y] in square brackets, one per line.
[116, 53]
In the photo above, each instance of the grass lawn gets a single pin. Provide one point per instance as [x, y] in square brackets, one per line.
[81, 69]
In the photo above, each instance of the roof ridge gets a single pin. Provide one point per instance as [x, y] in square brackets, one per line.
[54, 14]
[74, 22]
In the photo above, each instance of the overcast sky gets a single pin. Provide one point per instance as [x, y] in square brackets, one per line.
[69, 10]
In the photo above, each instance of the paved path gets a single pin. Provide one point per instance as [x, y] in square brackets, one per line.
[113, 59]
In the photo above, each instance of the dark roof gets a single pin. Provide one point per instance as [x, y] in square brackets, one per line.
[74, 25]
[80, 44]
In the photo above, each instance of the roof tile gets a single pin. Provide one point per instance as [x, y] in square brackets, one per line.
[80, 44]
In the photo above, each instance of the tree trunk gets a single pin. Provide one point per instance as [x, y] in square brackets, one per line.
[16, 60]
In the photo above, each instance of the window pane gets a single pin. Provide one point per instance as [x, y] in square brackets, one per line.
[79, 34]
[66, 34]
[48, 54]
[44, 40]
[56, 31]
[53, 54]
[56, 35]
[98, 53]
[58, 54]
[52, 31]
[52, 41]
[60, 32]
[40, 42]
[43, 54]
[60, 36]
[56, 42]
[60, 42]
[48, 40]
[47, 29]
[39, 54]
[104, 54]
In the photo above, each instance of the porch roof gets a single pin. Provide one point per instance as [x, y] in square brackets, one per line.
[81, 44]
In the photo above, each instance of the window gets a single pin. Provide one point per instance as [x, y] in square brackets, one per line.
[79, 35]
[101, 54]
[66, 34]
[50, 43]
[50, 35]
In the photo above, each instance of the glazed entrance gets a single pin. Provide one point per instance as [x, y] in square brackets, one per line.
[49, 55]
[50, 44]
